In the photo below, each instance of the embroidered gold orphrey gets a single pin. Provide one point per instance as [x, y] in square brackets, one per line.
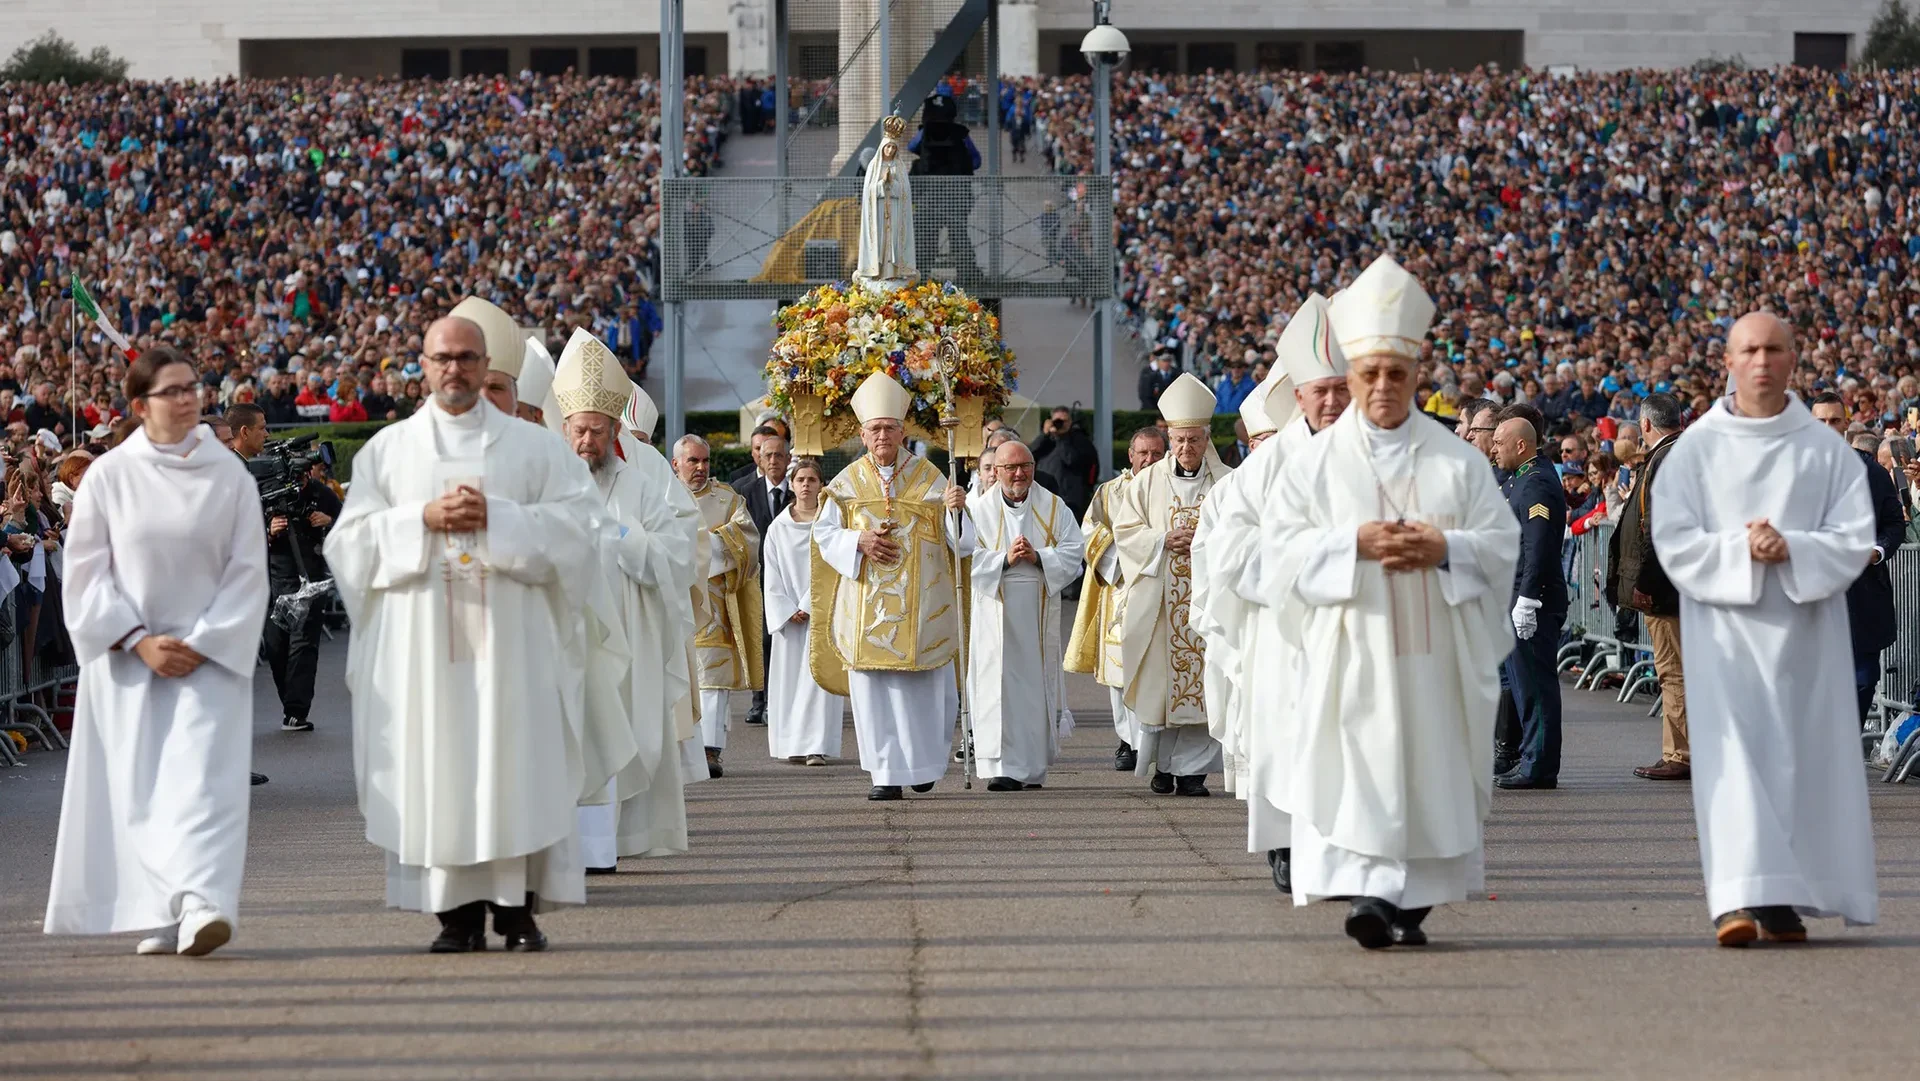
[899, 617]
[1186, 650]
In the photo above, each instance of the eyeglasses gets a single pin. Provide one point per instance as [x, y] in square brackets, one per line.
[178, 393]
[455, 360]
[1478, 430]
[1023, 467]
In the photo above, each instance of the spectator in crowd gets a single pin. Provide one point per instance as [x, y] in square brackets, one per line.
[1068, 461]
[1157, 376]
[1870, 615]
[1635, 581]
[346, 407]
[1232, 388]
[314, 403]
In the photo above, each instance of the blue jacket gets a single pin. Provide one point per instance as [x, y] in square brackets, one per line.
[1227, 394]
[1534, 493]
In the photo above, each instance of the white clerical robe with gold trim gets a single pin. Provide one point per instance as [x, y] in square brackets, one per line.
[727, 644]
[1015, 686]
[1388, 765]
[467, 757]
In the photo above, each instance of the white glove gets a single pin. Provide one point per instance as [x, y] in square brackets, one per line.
[1526, 617]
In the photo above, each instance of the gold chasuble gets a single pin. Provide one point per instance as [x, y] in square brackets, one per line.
[1163, 656]
[1094, 648]
[899, 618]
[727, 643]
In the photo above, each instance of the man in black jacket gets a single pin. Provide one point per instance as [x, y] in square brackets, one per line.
[1870, 599]
[1636, 581]
[1067, 457]
[293, 552]
[1539, 597]
[1157, 376]
[767, 494]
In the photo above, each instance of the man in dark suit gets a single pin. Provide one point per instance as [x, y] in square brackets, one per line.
[767, 494]
[1157, 376]
[1539, 597]
[1870, 598]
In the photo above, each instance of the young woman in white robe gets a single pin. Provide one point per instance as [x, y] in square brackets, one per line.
[165, 594]
[803, 720]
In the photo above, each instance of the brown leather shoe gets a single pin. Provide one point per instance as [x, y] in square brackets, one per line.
[1665, 771]
[1736, 928]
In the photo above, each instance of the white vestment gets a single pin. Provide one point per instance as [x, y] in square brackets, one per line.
[903, 721]
[1015, 686]
[649, 561]
[802, 717]
[1778, 790]
[153, 820]
[1386, 762]
[467, 758]
[1107, 569]
[1249, 663]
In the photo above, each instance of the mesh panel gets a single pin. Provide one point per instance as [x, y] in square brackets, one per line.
[743, 238]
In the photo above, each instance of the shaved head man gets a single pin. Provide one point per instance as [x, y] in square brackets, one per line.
[1514, 441]
[1760, 356]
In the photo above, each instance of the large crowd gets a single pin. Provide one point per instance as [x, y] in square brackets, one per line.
[1588, 239]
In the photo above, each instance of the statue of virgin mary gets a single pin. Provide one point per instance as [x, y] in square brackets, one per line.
[886, 212]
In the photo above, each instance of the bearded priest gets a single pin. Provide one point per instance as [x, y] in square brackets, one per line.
[887, 534]
[1029, 552]
[457, 554]
[1315, 394]
[1388, 559]
[727, 644]
[1164, 657]
[647, 558]
[1094, 647]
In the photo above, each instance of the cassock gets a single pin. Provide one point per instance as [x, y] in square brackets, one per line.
[1015, 682]
[802, 717]
[468, 760]
[1778, 789]
[1094, 646]
[153, 819]
[649, 560]
[1163, 655]
[1388, 769]
[727, 644]
[894, 629]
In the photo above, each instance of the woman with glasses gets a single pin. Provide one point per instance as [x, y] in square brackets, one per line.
[166, 591]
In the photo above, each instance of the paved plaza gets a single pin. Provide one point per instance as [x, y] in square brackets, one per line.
[1091, 930]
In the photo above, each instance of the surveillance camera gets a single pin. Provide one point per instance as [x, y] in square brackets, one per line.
[1104, 44]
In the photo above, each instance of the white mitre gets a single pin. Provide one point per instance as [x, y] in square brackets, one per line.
[1383, 311]
[1307, 350]
[589, 378]
[506, 345]
[1270, 406]
[641, 415]
[536, 370]
[1187, 403]
[880, 397]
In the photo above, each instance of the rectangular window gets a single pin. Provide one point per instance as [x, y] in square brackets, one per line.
[426, 63]
[1210, 56]
[1827, 51]
[552, 60]
[620, 62]
[1339, 56]
[484, 62]
[696, 60]
[1072, 62]
[1277, 55]
[1157, 56]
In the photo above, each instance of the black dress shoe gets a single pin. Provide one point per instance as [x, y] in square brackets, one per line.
[1369, 922]
[1036, 786]
[758, 720]
[1125, 759]
[1515, 779]
[1280, 862]
[603, 870]
[527, 942]
[1192, 785]
[1405, 929]
[459, 940]
[1503, 764]
[1162, 782]
[713, 763]
[259, 778]
[885, 792]
[923, 786]
[1003, 784]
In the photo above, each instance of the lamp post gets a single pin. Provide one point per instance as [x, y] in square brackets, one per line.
[1104, 47]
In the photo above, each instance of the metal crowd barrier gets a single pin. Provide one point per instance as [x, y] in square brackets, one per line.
[18, 711]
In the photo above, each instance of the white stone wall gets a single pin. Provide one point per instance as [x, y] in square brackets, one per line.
[201, 38]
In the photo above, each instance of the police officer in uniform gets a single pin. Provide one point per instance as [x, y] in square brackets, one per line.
[1539, 597]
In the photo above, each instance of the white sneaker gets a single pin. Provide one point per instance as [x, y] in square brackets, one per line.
[203, 931]
[167, 941]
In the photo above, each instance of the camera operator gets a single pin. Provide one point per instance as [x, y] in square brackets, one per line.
[293, 547]
[1066, 454]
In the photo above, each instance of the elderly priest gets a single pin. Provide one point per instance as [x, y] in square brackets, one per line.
[1164, 656]
[457, 555]
[1029, 551]
[727, 644]
[887, 533]
[1388, 562]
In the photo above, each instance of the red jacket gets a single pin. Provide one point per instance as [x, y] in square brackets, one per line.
[347, 412]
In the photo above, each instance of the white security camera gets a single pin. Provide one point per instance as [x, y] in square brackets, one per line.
[1105, 44]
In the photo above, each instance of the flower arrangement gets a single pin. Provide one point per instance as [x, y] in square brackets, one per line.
[831, 339]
